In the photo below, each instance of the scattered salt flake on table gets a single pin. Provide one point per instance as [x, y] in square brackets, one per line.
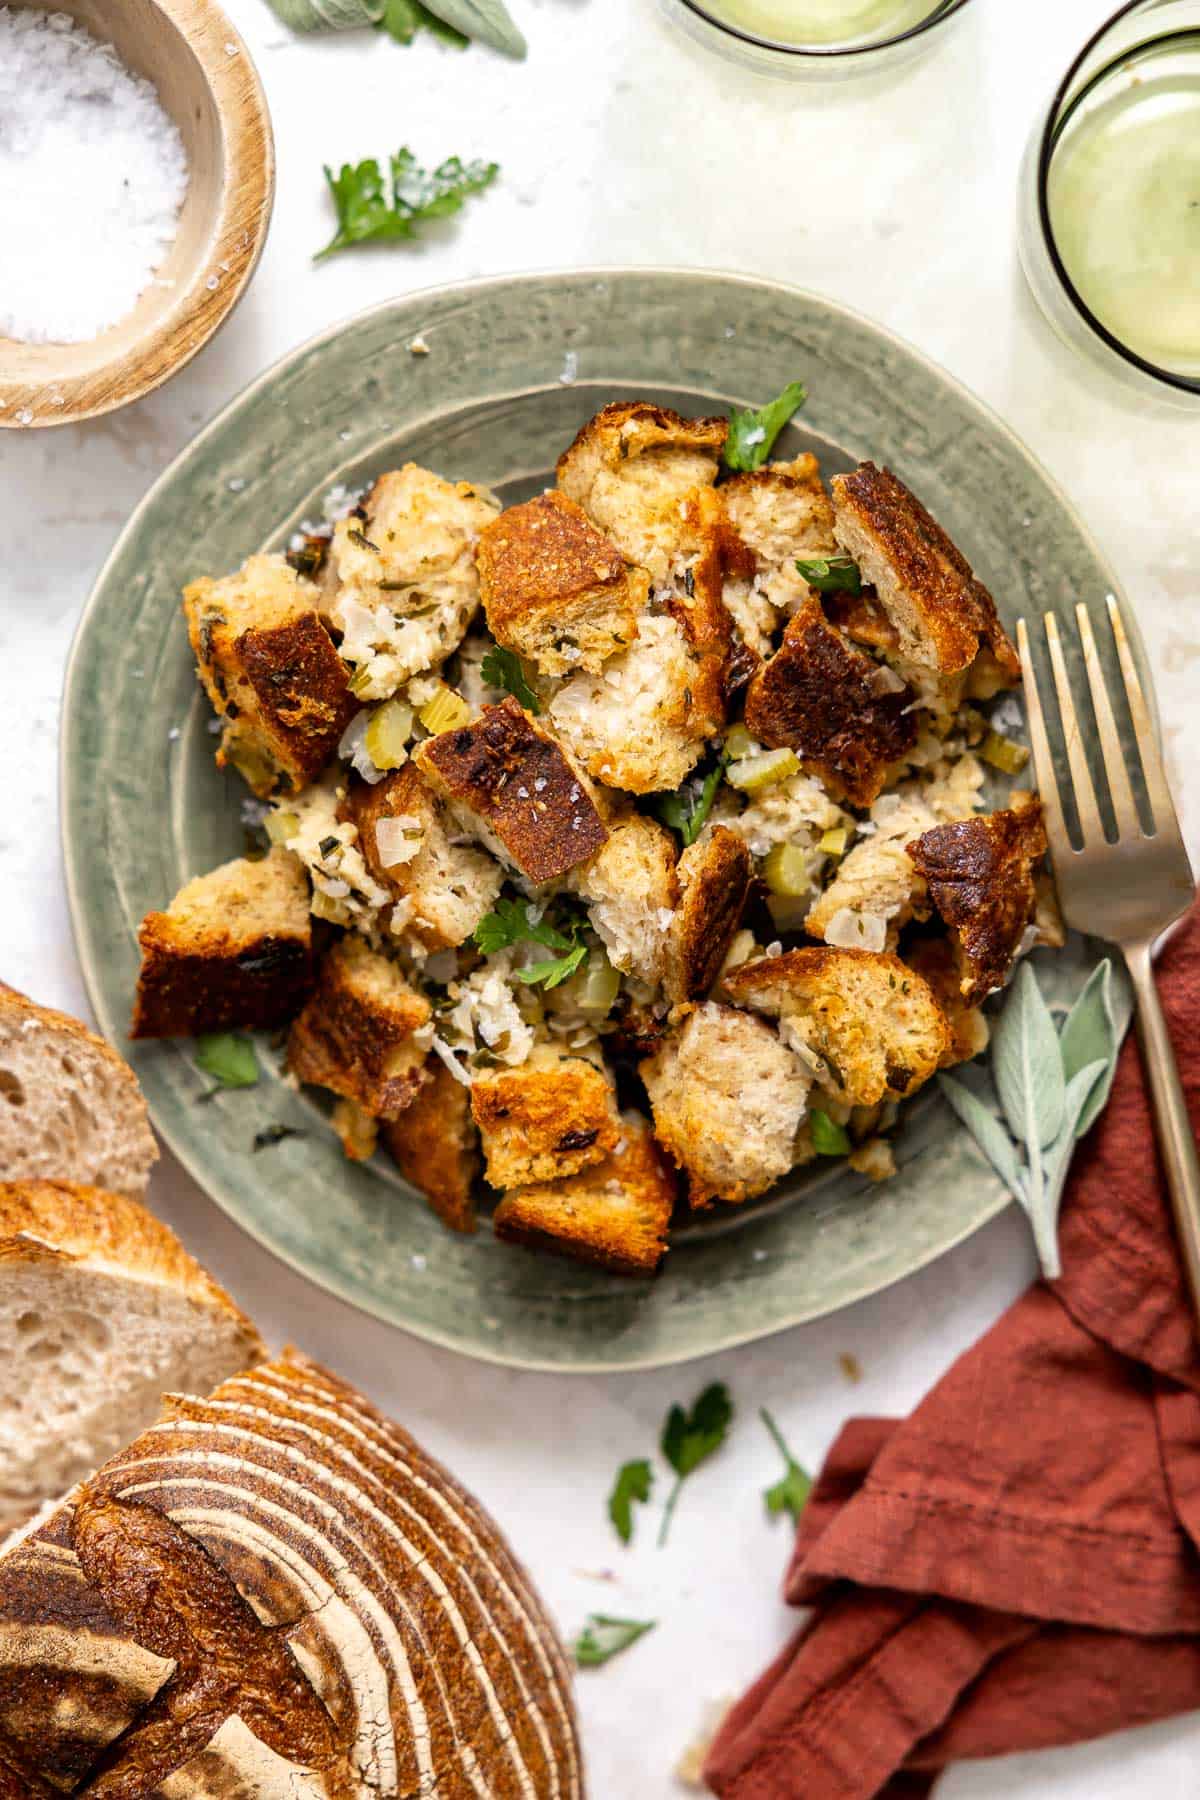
[570, 368]
[92, 176]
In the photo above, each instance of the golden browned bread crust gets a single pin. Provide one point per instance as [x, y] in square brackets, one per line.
[516, 778]
[436, 1146]
[862, 618]
[936, 961]
[944, 616]
[552, 1116]
[980, 874]
[820, 697]
[873, 1021]
[356, 1034]
[614, 1215]
[628, 428]
[233, 949]
[554, 589]
[271, 672]
[277, 1591]
[714, 552]
[714, 881]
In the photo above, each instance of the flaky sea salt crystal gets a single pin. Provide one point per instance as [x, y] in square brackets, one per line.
[92, 176]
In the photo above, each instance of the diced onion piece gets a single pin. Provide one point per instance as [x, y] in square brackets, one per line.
[849, 929]
[738, 742]
[398, 840]
[388, 731]
[280, 826]
[834, 842]
[754, 773]
[325, 907]
[1003, 753]
[886, 681]
[786, 871]
[599, 985]
[447, 711]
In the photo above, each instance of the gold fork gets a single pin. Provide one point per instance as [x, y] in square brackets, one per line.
[1127, 891]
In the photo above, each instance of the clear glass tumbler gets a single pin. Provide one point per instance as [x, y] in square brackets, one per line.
[822, 39]
[1109, 224]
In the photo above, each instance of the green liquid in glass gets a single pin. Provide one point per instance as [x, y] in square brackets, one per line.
[1124, 198]
[819, 23]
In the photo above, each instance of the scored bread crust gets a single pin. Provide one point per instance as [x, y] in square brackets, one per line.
[24, 1027]
[275, 1590]
[49, 1221]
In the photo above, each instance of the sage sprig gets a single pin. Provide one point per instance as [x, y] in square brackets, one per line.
[1051, 1086]
[488, 21]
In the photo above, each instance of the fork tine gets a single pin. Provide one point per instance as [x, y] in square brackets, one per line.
[1162, 807]
[1043, 762]
[1090, 822]
[1124, 805]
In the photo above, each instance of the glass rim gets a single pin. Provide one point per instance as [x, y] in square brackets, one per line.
[1186, 384]
[701, 9]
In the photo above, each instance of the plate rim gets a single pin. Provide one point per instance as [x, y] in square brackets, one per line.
[181, 1148]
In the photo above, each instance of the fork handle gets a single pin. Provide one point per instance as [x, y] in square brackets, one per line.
[1176, 1139]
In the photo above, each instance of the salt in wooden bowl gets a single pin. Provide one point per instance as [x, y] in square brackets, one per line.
[208, 85]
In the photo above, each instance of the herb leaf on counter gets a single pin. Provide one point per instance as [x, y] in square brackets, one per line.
[829, 1139]
[603, 1638]
[504, 669]
[402, 19]
[374, 209]
[752, 434]
[229, 1059]
[487, 20]
[832, 574]
[790, 1493]
[634, 1481]
[689, 1438]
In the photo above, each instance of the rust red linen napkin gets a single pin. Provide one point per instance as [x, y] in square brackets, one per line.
[1016, 1565]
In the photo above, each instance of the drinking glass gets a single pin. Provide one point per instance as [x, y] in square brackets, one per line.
[816, 38]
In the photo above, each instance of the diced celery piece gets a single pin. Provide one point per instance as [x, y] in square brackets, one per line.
[754, 773]
[738, 743]
[786, 871]
[1004, 754]
[445, 712]
[388, 731]
[834, 842]
[599, 984]
[280, 826]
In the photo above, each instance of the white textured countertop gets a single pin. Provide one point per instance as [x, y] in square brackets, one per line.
[621, 141]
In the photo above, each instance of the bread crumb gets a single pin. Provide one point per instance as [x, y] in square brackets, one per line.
[850, 1366]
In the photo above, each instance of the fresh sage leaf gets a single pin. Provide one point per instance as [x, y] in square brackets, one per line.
[633, 1483]
[602, 1638]
[229, 1059]
[1090, 1035]
[1027, 1064]
[328, 15]
[402, 19]
[752, 433]
[987, 1131]
[829, 1139]
[487, 20]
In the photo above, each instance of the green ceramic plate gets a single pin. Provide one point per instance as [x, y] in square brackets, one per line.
[514, 367]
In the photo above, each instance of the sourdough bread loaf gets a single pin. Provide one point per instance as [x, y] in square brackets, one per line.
[275, 1592]
[102, 1311]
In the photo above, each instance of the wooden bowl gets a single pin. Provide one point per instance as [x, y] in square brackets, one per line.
[208, 84]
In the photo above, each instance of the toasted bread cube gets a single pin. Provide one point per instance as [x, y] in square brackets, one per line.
[635, 725]
[781, 513]
[714, 881]
[408, 586]
[822, 698]
[361, 1034]
[511, 776]
[980, 874]
[876, 878]
[872, 1021]
[357, 1129]
[728, 1099]
[436, 1146]
[234, 948]
[442, 888]
[631, 892]
[552, 1116]
[614, 1215]
[936, 961]
[271, 671]
[944, 617]
[710, 552]
[554, 589]
[629, 469]
[862, 619]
